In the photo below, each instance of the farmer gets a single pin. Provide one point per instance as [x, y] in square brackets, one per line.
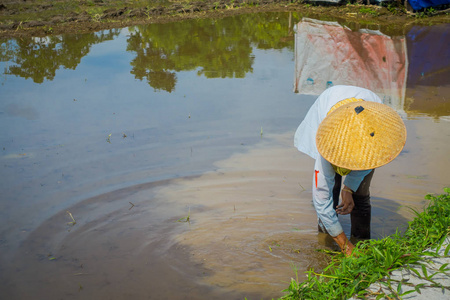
[349, 132]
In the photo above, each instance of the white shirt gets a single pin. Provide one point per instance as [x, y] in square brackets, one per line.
[324, 174]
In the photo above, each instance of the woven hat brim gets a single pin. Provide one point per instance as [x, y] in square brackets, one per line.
[361, 135]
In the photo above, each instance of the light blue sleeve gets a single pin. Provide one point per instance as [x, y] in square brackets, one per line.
[323, 183]
[354, 179]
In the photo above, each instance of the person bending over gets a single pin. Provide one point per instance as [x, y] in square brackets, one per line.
[349, 132]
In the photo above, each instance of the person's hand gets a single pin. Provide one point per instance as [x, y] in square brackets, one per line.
[347, 203]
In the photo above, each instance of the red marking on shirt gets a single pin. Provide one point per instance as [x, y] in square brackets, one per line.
[316, 172]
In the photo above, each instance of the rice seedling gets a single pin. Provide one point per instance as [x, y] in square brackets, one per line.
[186, 219]
[73, 220]
[303, 189]
[374, 260]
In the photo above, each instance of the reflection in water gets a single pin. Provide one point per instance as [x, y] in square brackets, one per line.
[428, 83]
[410, 73]
[215, 48]
[179, 143]
[327, 54]
[163, 49]
[39, 58]
[27, 112]
[59, 160]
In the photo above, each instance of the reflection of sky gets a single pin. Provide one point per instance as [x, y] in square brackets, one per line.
[168, 134]
[62, 125]
[111, 47]
[103, 86]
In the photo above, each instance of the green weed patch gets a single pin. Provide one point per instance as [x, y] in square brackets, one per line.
[374, 260]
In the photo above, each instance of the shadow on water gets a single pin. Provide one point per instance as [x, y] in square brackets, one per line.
[132, 131]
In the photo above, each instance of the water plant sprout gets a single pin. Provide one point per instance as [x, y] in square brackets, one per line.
[186, 219]
[73, 220]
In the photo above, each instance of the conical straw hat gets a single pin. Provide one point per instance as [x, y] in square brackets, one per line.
[361, 135]
[342, 102]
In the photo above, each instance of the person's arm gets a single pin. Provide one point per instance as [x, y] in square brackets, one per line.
[351, 184]
[323, 184]
[345, 208]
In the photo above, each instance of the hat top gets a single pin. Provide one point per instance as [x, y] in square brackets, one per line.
[360, 135]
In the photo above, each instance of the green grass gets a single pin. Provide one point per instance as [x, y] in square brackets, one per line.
[395, 7]
[30, 10]
[368, 10]
[374, 260]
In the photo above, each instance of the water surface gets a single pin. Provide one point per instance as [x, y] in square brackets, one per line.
[132, 131]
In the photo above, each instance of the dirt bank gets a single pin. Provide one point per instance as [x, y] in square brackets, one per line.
[38, 18]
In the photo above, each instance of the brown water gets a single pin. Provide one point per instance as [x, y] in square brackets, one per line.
[133, 131]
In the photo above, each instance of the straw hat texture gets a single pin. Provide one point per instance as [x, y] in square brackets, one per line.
[360, 135]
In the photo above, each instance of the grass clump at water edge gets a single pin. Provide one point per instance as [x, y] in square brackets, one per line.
[374, 260]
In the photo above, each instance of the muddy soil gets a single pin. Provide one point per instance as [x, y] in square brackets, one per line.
[33, 18]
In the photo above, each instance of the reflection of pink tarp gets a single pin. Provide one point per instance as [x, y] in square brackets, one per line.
[328, 54]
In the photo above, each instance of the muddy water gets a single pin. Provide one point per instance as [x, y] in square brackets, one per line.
[171, 147]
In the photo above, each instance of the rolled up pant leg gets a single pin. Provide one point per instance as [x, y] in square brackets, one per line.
[361, 214]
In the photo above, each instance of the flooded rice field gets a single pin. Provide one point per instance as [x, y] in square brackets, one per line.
[157, 162]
